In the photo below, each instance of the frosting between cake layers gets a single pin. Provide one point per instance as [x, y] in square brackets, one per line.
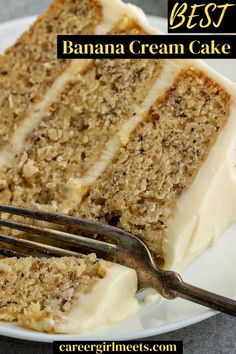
[167, 77]
[111, 300]
[40, 110]
[208, 206]
[112, 13]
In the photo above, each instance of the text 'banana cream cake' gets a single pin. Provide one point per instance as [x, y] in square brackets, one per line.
[144, 145]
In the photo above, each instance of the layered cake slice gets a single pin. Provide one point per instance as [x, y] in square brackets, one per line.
[144, 145]
[66, 295]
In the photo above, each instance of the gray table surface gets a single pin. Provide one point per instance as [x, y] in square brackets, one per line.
[216, 335]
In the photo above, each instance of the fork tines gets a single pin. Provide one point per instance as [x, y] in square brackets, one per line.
[70, 239]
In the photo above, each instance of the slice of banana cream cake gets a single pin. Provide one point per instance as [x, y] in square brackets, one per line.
[144, 145]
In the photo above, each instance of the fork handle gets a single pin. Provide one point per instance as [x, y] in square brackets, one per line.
[205, 298]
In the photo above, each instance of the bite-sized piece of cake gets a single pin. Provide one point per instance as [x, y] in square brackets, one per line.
[144, 145]
[66, 295]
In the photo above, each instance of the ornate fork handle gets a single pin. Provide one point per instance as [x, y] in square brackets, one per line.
[178, 288]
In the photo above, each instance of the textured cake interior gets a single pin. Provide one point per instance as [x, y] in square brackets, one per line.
[98, 149]
[139, 190]
[70, 139]
[29, 67]
[40, 288]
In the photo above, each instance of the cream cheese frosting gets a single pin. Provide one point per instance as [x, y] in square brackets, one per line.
[111, 300]
[207, 207]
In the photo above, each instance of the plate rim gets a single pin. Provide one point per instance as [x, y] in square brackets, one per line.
[24, 334]
[141, 334]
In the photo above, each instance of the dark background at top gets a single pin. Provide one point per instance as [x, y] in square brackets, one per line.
[10, 9]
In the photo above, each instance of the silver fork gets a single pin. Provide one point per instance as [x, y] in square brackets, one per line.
[111, 244]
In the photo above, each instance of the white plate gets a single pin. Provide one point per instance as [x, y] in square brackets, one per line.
[214, 270]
